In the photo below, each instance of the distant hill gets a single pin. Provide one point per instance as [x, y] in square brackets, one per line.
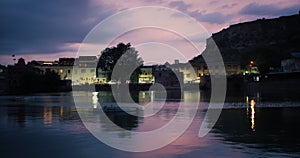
[266, 41]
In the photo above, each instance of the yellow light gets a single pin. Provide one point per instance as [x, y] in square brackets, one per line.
[61, 112]
[47, 63]
[61, 71]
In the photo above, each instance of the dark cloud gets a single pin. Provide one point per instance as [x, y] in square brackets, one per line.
[228, 6]
[213, 18]
[44, 26]
[180, 5]
[268, 10]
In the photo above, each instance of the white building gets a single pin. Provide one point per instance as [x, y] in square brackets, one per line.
[85, 70]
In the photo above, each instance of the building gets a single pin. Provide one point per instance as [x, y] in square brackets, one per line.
[44, 63]
[62, 68]
[187, 70]
[85, 70]
[102, 76]
[65, 72]
[192, 72]
[81, 70]
[3, 84]
[232, 67]
[167, 77]
[292, 64]
[146, 75]
[66, 61]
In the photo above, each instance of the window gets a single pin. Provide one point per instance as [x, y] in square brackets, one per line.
[69, 71]
[92, 70]
[83, 71]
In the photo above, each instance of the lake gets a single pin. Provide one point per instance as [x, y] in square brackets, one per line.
[250, 125]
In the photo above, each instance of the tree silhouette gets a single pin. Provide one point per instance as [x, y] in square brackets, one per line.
[123, 56]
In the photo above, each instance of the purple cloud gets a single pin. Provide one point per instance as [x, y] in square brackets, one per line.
[268, 10]
[213, 18]
[180, 5]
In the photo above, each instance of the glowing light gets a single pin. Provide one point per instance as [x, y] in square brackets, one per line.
[61, 71]
[47, 63]
[95, 99]
[252, 104]
[61, 110]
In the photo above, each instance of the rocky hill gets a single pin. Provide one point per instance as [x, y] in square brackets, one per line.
[266, 41]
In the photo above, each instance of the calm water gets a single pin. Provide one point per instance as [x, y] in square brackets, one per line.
[48, 125]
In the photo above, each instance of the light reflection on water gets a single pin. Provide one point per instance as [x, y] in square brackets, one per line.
[47, 115]
[49, 126]
[252, 104]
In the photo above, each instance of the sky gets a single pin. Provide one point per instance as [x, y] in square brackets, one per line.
[50, 29]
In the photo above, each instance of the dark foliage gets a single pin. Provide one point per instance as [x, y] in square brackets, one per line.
[125, 56]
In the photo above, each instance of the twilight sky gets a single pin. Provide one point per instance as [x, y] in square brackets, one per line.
[49, 29]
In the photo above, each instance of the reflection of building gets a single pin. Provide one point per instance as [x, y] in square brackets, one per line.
[146, 75]
[292, 64]
[47, 115]
[68, 113]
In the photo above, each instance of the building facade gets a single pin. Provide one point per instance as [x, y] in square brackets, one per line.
[146, 75]
[292, 64]
[63, 70]
[85, 70]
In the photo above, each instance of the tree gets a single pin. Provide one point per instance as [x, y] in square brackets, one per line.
[124, 57]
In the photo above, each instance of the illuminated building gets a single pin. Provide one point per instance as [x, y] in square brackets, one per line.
[194, 71]
[85, 70]
[146, 75]
[63, 70]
